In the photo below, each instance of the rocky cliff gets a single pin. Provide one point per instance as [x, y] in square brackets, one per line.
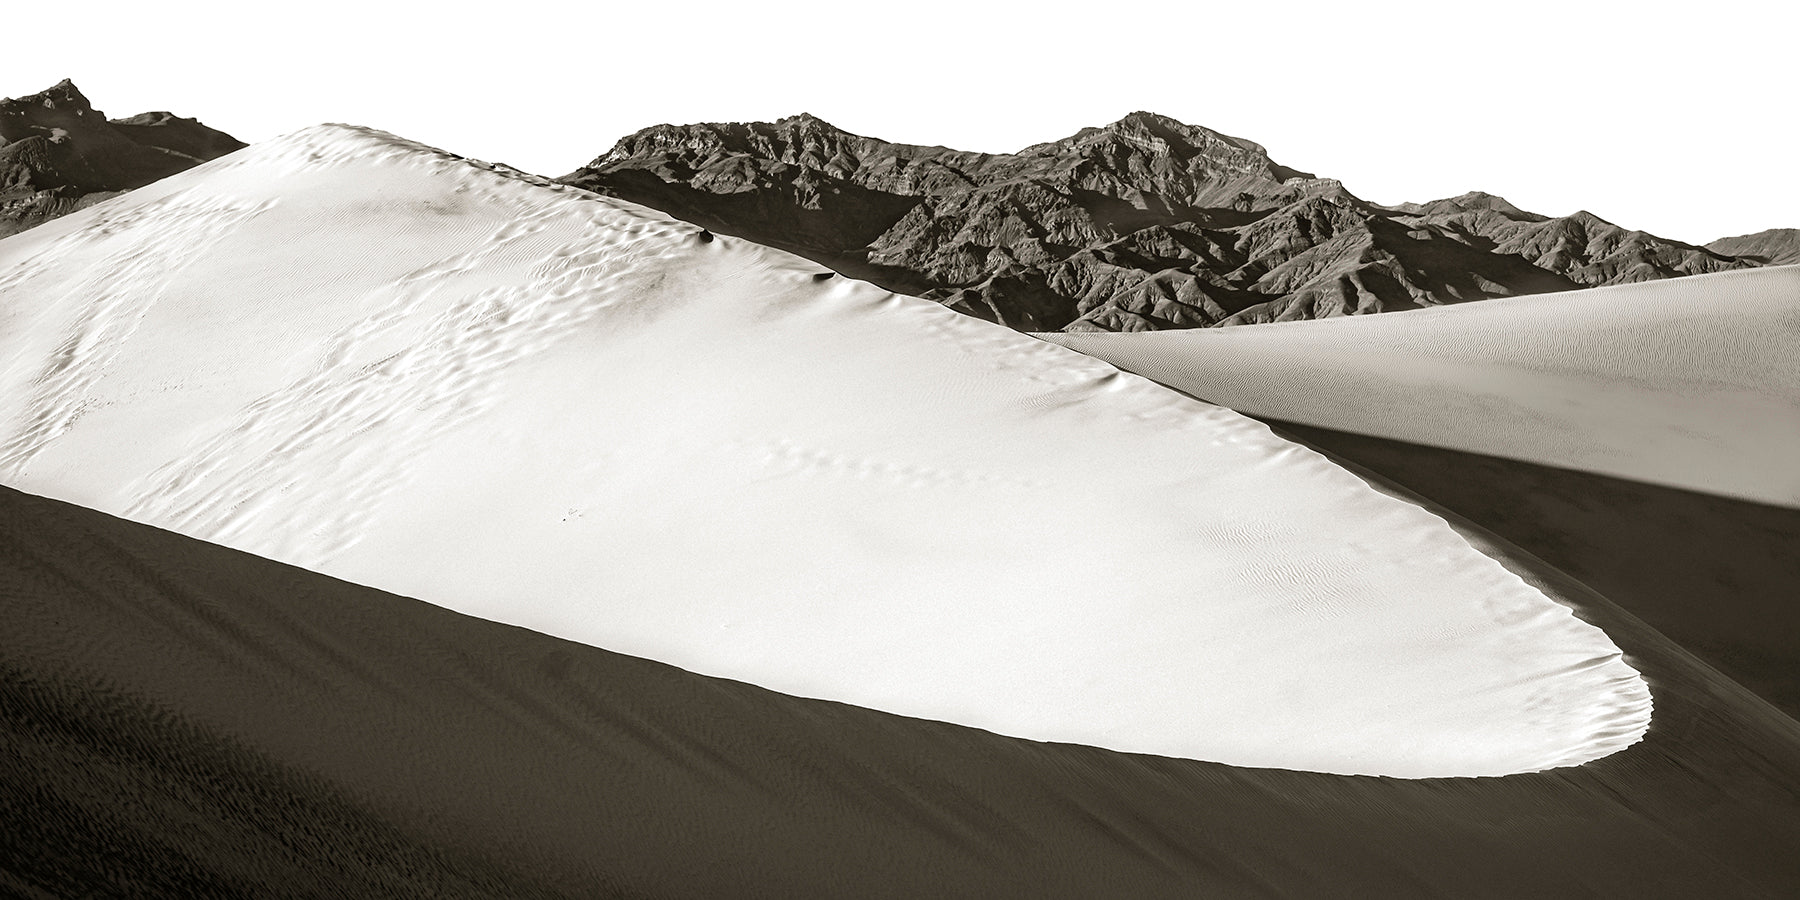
[59, 154]
[1147, 223]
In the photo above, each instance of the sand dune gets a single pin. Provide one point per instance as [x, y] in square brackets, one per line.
[185, 720]
[1715, 574]
[351, 353]
[1690, 383]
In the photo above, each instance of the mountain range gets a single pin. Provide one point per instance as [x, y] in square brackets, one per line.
[58, 154]
[382, 522]
[745, 579]
[1145, 224]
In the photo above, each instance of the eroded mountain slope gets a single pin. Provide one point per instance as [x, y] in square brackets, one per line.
[58, 154]
[1775, 246]
[1145, 224]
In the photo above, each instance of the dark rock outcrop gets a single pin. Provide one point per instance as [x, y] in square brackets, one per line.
[59, 154]
[1146, 223]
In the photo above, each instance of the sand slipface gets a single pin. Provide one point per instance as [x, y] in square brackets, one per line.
[359, 355]
[1688, 383]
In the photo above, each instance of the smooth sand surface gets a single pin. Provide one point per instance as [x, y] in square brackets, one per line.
[1691, 382]
[181, 719]
[351, 353]
[1717, 575]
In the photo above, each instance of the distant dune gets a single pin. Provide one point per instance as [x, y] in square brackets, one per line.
[1689, 382]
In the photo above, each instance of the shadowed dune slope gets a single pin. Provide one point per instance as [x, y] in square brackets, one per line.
[1715, 574]
[181, 718]
[388, 364]
[1690, 383]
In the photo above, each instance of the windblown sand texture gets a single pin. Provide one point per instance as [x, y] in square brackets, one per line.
[354, 354]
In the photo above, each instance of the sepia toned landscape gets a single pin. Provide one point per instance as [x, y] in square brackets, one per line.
[762, 509]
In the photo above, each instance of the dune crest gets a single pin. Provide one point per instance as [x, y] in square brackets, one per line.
[349, 352]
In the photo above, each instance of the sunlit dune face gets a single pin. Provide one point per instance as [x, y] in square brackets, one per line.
[567, 413]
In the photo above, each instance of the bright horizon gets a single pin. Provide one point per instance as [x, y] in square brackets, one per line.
[1647, 115]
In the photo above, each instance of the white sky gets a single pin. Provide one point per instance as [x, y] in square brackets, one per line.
[1673, 118]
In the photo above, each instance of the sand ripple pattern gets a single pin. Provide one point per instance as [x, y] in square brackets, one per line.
[442, 378]
[116, 294]
[410, 398]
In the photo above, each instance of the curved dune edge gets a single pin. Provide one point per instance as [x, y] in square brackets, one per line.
[1715, 574]
[557, 411]
[1688, 382]
[185, 717]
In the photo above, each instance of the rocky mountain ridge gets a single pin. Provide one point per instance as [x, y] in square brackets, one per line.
[58, 154]
[1147, 223]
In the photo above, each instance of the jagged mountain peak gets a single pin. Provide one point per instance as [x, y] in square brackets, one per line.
[1144, 116]
[1483, 200]
[49, 113]
[807, 121]
[1144, 223]
[61, 95]
[1474, 201]
[1477, 202]
[1588, 219]
[1140, 122]
[1171, 130]
[1159, 135]
[153, 117]
[791, 140]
